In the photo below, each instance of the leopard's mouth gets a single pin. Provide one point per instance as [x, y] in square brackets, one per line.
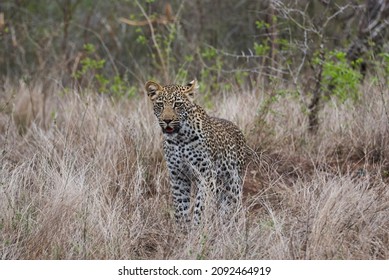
[170, 130]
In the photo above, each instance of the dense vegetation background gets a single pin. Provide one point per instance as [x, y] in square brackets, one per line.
[81, 168]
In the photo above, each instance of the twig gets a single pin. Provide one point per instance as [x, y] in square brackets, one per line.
[163, 65]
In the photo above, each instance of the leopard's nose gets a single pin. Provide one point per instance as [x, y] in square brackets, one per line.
[167, 121]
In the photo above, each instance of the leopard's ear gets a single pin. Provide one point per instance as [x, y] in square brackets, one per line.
[191, 89]
[152, 89]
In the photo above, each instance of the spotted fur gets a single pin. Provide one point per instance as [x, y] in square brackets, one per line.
[200, 150]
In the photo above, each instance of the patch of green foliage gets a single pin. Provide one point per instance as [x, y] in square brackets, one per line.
[92, 68]
[340, 78]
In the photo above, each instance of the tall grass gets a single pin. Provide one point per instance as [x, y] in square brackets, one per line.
[83, 177]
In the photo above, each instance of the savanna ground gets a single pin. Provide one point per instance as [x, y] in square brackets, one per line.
[83, 177]
[82, 174]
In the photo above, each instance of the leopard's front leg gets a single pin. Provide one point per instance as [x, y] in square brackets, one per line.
[206, 183]
[180, 187]
[231, 194]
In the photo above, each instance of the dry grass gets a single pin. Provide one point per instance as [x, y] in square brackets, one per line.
[82, 177]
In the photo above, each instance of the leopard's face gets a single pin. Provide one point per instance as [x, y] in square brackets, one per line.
[172, 104]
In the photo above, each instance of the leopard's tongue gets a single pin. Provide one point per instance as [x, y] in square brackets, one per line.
[169, 129]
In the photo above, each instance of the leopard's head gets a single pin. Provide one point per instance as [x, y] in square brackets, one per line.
[172, 104]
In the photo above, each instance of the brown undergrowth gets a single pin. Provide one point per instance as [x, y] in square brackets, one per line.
[83, 177]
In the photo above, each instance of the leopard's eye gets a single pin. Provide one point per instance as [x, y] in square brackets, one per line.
[178, 104]
[158, 107]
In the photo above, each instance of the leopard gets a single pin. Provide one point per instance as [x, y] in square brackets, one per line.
[208, 154]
